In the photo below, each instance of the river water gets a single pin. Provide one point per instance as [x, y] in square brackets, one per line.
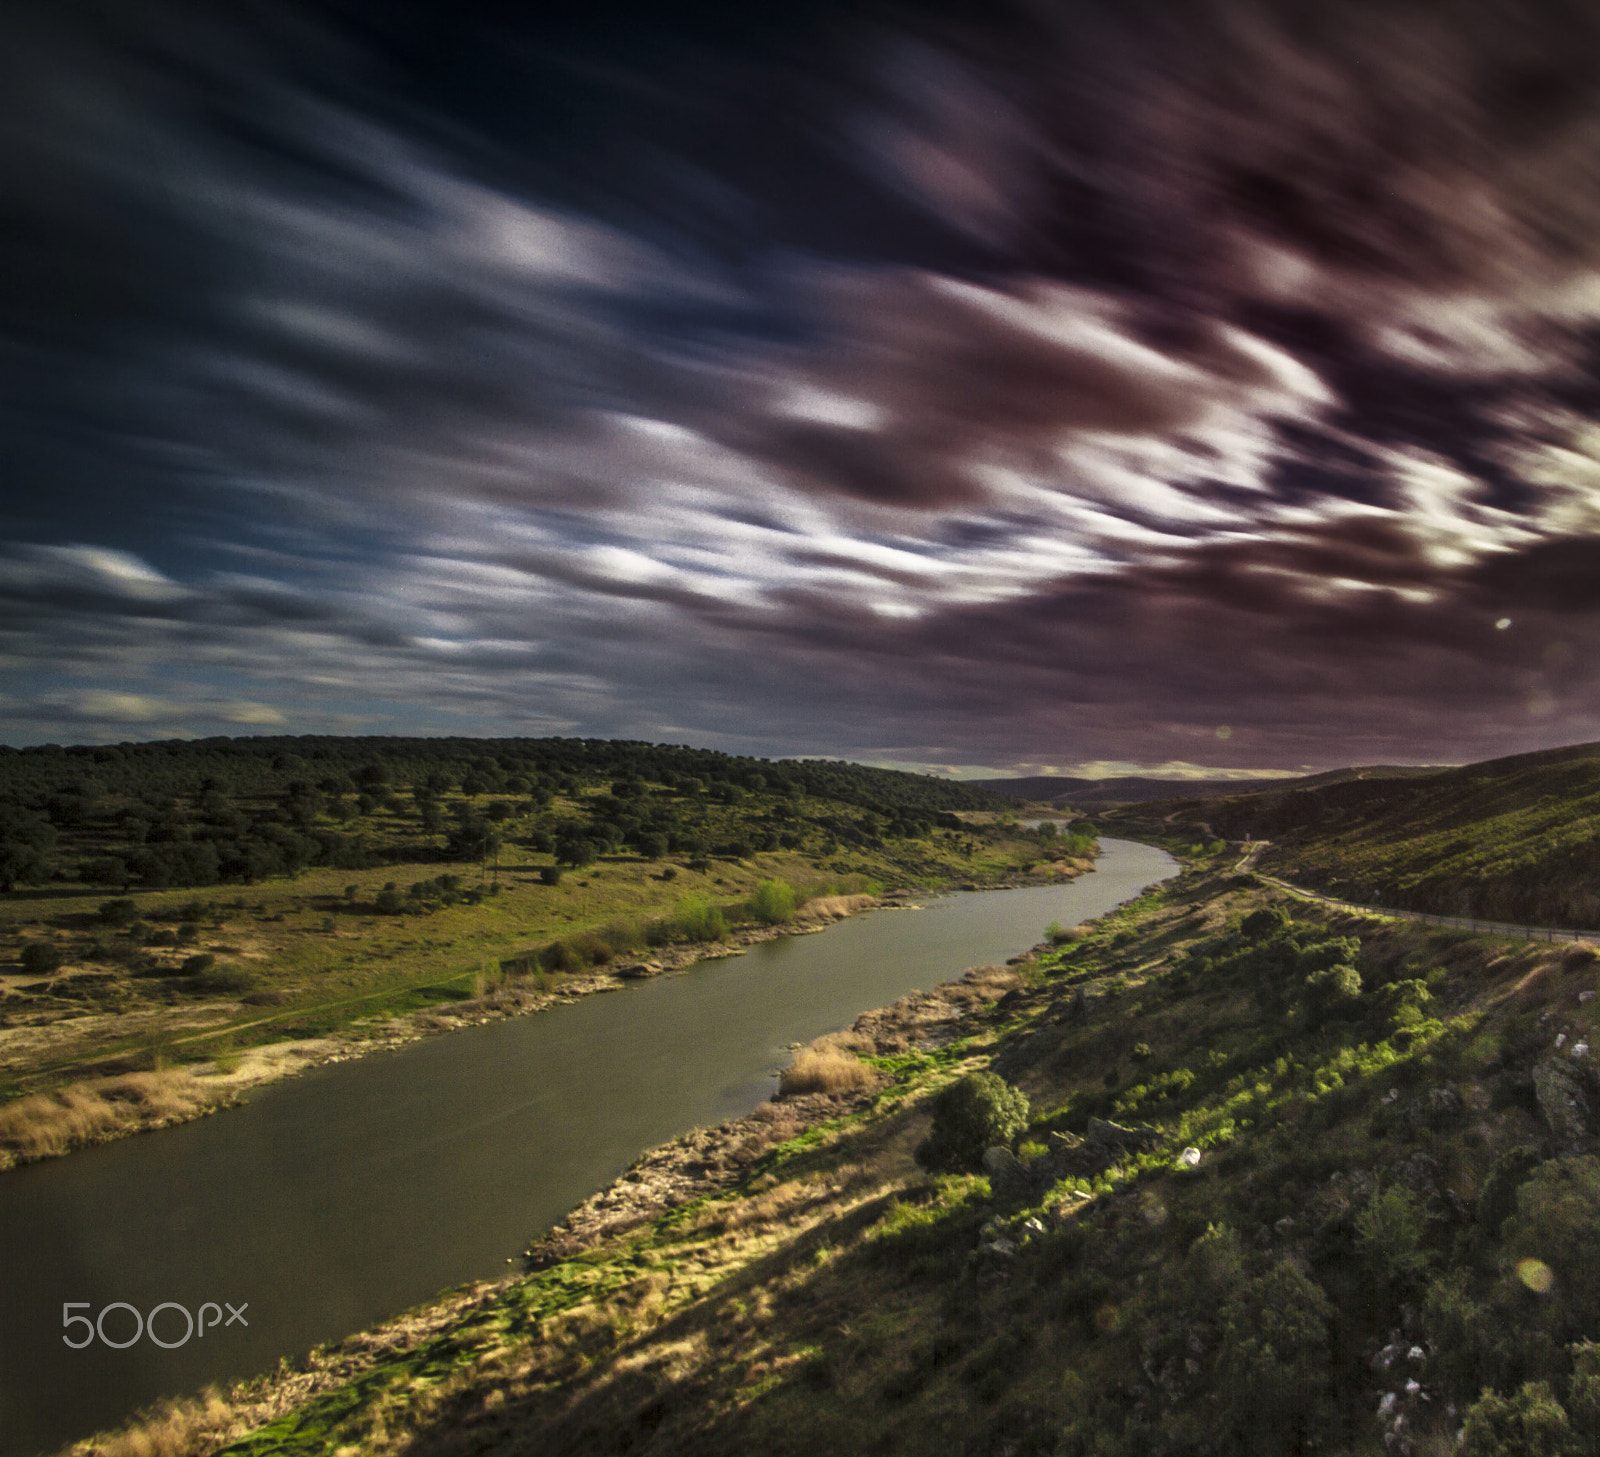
[339, 1198]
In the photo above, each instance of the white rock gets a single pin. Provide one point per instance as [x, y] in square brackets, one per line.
[1190, 1158]
[1561, 1037]
[1585, 996]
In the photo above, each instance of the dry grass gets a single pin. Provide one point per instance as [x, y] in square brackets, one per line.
[176, 1428]
[828, 1067]
[48, 1124]
[835, 907]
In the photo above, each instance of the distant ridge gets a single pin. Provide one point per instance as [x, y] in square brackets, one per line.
[1513, 839]
[1064, 791]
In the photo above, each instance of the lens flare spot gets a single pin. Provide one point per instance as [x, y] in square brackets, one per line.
[1224, 732]
[1503, 623]
[1536, 1275]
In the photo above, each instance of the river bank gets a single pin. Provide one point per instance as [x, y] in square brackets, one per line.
[98, 1110]
[700, 1163]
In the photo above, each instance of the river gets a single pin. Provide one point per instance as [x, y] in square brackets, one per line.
[335, 1200]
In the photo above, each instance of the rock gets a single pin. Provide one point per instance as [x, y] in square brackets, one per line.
[1009, 1179]
[640, 969]
[1189, 1159]
[1565, 1090]
[1585, 996]
[1101, 1130]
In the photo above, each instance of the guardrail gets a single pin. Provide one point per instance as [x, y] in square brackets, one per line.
[1465, 923]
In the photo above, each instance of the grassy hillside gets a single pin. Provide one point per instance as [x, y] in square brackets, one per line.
[177, 902]
[1285, 1184]
[1515, 839]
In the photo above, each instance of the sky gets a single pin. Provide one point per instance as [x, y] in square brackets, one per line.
[1005, 388]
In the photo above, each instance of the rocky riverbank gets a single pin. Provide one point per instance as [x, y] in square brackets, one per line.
[700, 1162]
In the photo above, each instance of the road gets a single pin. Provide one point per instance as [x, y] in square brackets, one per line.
[1253, 848]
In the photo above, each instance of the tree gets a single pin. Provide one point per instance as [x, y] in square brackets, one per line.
[1272, 1369]
[39, 958]
[974, 1113]
[1530, 1424]
[120, 912]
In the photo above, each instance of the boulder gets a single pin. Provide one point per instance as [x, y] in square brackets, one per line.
[1103, 1131]
[1009, 1179]
[1565, 1089]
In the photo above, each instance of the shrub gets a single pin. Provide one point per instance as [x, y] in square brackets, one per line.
[1530, 1424]
[550, 874]
[225, 979]
[970, 1115]
[390, 901]
[1331, 990]
[1389, 1232]
[1272, 1370]
[121, 912]
[1268, 921]
[558, 956]
[696, 919]
[1213, 1267]
[1558, 1222]
[1497, 1199]
[773, 902]
[39, 958]
[200, 964]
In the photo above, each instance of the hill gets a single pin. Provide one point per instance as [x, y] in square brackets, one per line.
[1283, 1182]
[180, 903]
[1066, 792]
[1138, 789]
[1513, 839]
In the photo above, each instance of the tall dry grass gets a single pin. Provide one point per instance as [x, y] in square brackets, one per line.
[828, 1066]
[178, 1427]
[833, 907]
[47, 1124]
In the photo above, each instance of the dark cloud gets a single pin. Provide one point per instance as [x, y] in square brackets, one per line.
[979, 385]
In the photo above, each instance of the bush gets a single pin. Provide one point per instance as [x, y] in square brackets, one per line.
[1497, 1199]
[1558, 1222]
[773, 902]
[39, 958]
[550, 874]
[696, 919]
[121, 912]
[1331, 991]
[1272, 1370]
[1267, 922]
[199, 965]
[390, 901]
[972, 1114]
[1389, 1232]
[1530, 1424]
[226, 979]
